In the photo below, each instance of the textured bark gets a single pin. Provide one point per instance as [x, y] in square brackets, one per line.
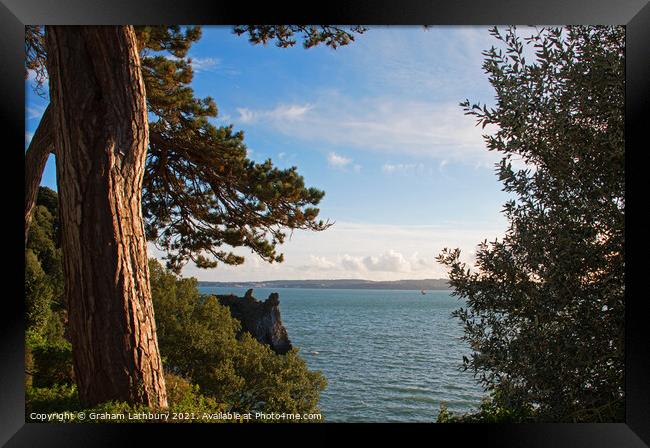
[36, 156]
[101, 137]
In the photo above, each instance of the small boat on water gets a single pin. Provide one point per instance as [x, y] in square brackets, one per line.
[423, 292]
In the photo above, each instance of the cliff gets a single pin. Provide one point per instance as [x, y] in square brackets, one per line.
[260, 319]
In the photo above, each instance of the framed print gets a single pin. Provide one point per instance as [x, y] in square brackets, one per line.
[399, 216]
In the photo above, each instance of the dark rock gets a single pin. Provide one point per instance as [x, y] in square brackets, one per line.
[261, 319]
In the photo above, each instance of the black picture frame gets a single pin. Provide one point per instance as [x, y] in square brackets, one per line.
[635, 14]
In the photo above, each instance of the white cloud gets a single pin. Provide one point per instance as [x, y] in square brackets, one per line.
[360, 250]
[427, 124]
[337, 161]
[403, 168]
[350, 263]
[291, 112]
[245, 115]
[208, 64]
[35, 111]
[390, 261]
[442, 62]
[204, 64]
[412, 82]
[386, 125]
[279, 114]
[320, 263]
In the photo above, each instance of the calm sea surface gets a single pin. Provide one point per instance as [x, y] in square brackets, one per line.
[388, 356]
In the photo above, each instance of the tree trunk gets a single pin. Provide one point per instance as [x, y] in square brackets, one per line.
[101, 137]
[36, 157]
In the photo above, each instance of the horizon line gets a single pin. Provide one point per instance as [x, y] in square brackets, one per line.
[323, 280]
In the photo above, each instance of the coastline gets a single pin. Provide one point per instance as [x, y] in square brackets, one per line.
[424, 284]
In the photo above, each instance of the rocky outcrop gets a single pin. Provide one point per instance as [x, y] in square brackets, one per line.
[260, 319]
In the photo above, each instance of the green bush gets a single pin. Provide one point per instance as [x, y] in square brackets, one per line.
[38, 294]
[52, 364]
[489, 412]
[271, 382]
[183, 398]
[43, 241]
[57, 398]
[197, 339]
[208, 368]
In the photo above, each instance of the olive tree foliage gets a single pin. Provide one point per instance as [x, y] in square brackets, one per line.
[202, 195]
[544, 311]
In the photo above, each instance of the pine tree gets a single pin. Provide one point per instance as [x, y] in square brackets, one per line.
[200, 191]
[100, 134]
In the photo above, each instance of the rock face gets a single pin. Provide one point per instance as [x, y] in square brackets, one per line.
[260, 319]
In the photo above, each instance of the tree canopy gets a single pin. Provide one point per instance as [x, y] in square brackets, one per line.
[545, 304]
[201, 192]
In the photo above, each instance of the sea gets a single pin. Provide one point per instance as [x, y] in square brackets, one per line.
[388, 355]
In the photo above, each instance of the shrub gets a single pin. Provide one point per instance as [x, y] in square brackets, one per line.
[208, 368]
[52, 364]
[197, 339]
[57, 398]
[488, 412]
[38, 294]
[183, 397]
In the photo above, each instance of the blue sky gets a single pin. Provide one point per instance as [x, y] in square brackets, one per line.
[377, 126]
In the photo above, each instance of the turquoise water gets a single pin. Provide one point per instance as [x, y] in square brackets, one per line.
[388, 356]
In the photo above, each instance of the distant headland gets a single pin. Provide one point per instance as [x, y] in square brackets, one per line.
[423, 284]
